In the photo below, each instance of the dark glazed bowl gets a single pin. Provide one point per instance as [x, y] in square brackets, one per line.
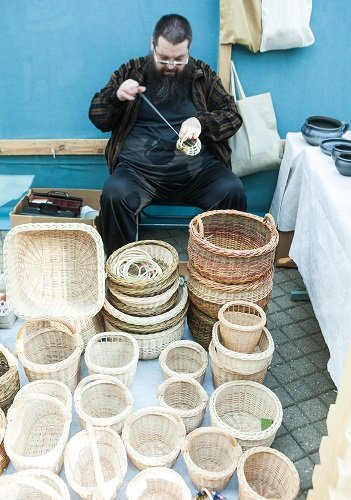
[340, 149]
[343, 164]
[327, 144]
[317, 128]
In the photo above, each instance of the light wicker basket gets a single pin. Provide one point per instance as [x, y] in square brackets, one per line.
[113, 353]
[245, 363]
[163, 253]
[232, 247]
[184, 357]
[267, 473]
[209, 296]
[33, 484]
[145, 306]
[4, 459]
[50, 350]
[151, 345]
[54, 271]
[95, 463]
[200, 326]
[53, 388]
[241, 325]
[211, 456]
[238, 408]
[185, 396]
[221, 375]
[156, 483]
[147, 324]
[89, 327]
[37, 432]
[9, 378]
[153, 437]
[103, 401]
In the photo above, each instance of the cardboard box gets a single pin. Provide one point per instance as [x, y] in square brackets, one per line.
[90, 197]
[282, 258]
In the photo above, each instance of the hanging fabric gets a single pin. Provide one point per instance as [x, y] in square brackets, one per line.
[240, 23]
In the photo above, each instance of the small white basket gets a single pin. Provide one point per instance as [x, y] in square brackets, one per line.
[158, 483]
[184, 357]
[53, 388]
[33, 484]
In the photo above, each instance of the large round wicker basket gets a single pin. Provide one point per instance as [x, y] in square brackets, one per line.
[158, 483]
[242, 408]
[153, 437]
[211, 456]
[232, 247]
[184, 357]
[267, 473]
[9, 378]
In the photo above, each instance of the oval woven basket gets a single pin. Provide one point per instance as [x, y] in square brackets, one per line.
[232, 247]
[151, 345]
[103, 401]
[163, 253]
[50, 353]
[94, 461]
[9, 378]
[53, 388]
[184, 357]
[241, 325]
[37, 432]
[185, 396]
[239, 407]
[200, 326]
[267, 473]
[147, 324]
[153, 437]
[113, 353]
[4, 459]
[33, 484]
[221, 375]
[211, 456]
[209, 296]
[54, 271]
[158, 483]
[245, 363]
[89, 327]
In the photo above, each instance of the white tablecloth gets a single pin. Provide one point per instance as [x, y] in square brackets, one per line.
[321, 248]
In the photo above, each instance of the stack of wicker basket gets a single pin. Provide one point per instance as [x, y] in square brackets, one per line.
[144, 296]
[231, 256]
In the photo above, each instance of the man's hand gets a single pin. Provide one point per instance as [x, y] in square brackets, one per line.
[129, 89]
[190, 129]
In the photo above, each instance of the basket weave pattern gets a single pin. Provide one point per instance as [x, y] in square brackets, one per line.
[200, 326]
[267, 473]
[34, 484]
[9, 378]
[158, 483]
[52, 388]
[184, 357]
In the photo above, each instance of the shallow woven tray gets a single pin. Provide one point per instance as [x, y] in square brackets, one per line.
[267, 473]
[153, 437]
[209, 296]
[232, 247]
[158, 483]
[200, 326]
[54, 271]
[184, 357]
[211, 456]
[9, 378]
[163, 253]
[238, 408]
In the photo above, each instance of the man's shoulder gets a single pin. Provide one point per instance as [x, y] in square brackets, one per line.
[202, 68]
[138, 64]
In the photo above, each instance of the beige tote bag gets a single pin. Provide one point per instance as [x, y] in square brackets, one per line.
[257, 145]
[240, 23]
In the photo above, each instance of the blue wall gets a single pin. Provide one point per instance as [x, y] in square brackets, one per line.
[55, 54]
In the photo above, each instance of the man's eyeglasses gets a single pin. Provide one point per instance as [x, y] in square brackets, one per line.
[166, 62]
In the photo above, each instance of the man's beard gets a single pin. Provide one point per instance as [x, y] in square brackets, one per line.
[164, 89]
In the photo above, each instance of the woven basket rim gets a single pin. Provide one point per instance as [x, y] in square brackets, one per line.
[189, 380]
[41, 487]
[29, 386]
[188, 344]
[242, 355]
[43, 473]
[272, 451]
[267, 221]
[121, 370]
[242, 328]
[10, 358]
[162, 333]
[157, 473]
[148, 300]
[101, 379]
[245, 436]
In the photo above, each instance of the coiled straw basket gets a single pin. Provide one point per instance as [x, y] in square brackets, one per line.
[267, 473]
[158, 482]
[4, 459]
[33, 484]
[9, 378]
[232, 247]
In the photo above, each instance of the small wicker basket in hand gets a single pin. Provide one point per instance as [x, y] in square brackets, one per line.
[9, 378]
[267, 473]
[158, 482]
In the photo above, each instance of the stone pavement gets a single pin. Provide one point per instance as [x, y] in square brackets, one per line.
[298, 374]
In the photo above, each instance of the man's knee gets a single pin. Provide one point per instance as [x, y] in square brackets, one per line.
[116, 194]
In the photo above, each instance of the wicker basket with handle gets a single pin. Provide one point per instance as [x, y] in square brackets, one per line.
[53, 388]
[184, 357]
[158, 483]
[267, 473]
[9, 378]
[232, 247]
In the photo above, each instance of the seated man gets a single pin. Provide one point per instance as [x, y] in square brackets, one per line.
[142, 157]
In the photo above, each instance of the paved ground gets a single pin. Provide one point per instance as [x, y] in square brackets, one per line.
[298, 374]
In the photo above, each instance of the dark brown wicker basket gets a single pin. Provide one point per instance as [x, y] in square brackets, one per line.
[200, 326]
[9, 378]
